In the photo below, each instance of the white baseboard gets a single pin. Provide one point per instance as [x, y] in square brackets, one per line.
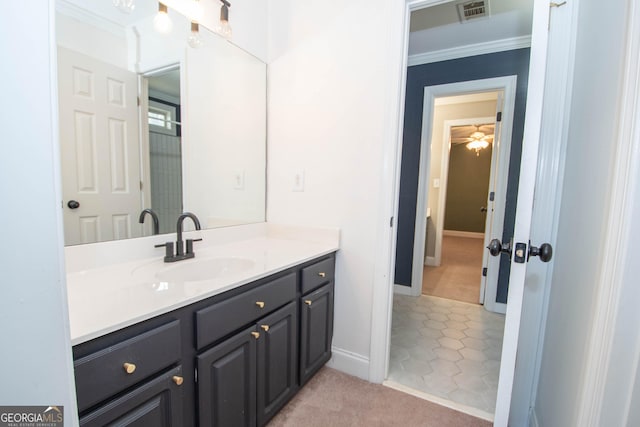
[349, 363]
[470, 234]
[403, 290]
[431, 261]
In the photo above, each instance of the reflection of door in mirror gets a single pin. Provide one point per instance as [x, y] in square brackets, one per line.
[99, 149]
[163, 128]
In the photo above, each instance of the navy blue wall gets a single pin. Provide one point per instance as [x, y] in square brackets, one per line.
[508, 63]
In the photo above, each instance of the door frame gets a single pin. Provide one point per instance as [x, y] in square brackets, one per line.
[560, 53]
[506, 85]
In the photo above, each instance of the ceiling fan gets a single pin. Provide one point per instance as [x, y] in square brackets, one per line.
[476, 137]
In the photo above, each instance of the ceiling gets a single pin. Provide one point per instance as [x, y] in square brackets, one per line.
[462, 134]
[438, 27]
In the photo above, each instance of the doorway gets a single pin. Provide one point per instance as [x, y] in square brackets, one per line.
[459, 211]
[446, 340]
[498, 101]
[448, 350]
[162, 145]
[554, 100]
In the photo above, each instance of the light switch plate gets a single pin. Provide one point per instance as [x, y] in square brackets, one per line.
[298, 180]
[436, 183]
[238, 179]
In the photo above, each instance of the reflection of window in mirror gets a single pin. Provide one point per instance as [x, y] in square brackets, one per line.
[163, 117]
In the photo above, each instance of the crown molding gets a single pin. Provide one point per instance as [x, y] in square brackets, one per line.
[71, 10]
[470, 50]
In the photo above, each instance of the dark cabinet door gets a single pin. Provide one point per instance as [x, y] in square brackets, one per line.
[227, 382]
[155, 403]
[277, 361]
[316, 331]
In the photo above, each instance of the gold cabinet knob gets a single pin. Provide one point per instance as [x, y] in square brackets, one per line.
[322, 274]
[265, 327]
[260, 304]
[308, 301]
[178, 380]
[129, 368]
[256, 335]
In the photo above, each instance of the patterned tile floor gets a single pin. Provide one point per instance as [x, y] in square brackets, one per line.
[446, 348]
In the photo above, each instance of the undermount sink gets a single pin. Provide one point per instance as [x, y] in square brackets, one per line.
[204, 269]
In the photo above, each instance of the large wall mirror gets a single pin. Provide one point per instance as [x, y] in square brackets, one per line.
[150, 123]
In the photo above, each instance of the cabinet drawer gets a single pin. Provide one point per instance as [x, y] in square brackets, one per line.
[157, 403]
[103, 374]
[222, 318]
[317, 274]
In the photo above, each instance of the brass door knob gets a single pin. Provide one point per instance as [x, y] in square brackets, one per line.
[265, 327]
[260, 304]
[308, 301]
[256, 335]
[322, 274]
[178, 380]
[129, 368]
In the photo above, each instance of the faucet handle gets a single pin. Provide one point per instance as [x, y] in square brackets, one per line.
[190, 244]
[168, 249]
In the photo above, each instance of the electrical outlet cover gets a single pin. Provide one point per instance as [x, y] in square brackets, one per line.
[238, 180]
[298, 181]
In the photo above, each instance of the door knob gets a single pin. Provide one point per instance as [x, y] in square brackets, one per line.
[496, 247]
[73, 204]
[545, 252]
[483, 209]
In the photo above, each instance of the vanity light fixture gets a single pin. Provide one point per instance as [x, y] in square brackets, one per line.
[224, 28]
[161, 22]
[125, 6]
[194, 40]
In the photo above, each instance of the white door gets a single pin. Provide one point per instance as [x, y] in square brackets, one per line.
[99, 149]
[524, 208]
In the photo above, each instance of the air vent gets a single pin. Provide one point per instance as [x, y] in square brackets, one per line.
[470, 10]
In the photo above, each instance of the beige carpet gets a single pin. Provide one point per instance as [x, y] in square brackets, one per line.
[334, 399]
[458, 276]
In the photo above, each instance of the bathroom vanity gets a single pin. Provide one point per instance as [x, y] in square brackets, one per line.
[229, 349]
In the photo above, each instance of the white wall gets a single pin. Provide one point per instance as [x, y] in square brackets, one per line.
[34, 328]
[91, 41]
[583, 214]
[224, 134]
[328, 115]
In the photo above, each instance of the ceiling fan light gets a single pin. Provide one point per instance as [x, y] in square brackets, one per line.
[478, 144]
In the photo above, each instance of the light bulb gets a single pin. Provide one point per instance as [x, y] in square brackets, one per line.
[224, 28]
[125, 6]
[161, 22]
[194, 39]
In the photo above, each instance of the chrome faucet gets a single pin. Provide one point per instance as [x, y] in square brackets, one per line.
[180, 252]
[154, 217]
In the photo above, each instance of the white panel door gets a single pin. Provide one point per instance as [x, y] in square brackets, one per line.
[524, 209]
[99, 149]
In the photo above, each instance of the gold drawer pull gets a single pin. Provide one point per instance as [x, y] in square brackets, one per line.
[129, 368]
[265, 327]
[260, 304]
[322, 274]
[178, 380]
[307, 301]
[256, 335]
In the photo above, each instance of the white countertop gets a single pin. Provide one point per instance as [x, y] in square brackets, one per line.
[107, 295]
